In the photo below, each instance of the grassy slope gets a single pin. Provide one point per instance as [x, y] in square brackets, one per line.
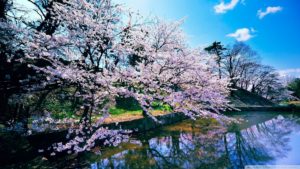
[244, 98]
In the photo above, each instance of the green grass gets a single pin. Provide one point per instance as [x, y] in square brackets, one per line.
[61, 109]
[117, 111]
[291, 103]
[161, 106]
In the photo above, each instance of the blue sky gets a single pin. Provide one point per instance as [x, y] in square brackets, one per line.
[275, 35]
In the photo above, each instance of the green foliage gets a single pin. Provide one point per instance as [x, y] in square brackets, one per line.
[59, 109]
[294, 86]
[215, 48]
[58, 105]
[233, 127]
[117, 111]
[128, 103]
[129, 107]
[160, 106]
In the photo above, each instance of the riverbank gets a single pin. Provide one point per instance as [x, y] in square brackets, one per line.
[242, 100]
[141, 124]
[268, 108]
[131, 121]
[27, 147]
[137, 123]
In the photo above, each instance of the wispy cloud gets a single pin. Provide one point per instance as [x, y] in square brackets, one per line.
[290, 72]
[223, 7]
[270, 10]
[242, 34]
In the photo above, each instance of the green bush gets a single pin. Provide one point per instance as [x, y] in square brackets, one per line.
[59, 108]
[160, 106]
[127, 103]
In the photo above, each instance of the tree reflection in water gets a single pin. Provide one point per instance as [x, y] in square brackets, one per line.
[208, 146]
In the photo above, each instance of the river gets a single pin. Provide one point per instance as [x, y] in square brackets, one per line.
[260, 138]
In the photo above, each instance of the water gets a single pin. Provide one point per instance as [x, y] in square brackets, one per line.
[262, 138]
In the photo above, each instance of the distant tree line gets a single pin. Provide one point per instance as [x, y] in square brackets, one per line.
[242, 65]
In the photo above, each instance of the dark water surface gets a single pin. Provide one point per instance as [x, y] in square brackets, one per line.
[262, 138]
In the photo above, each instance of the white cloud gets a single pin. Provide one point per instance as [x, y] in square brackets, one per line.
[224, 7]
[290, 73]
[242, 34]
[261, 14]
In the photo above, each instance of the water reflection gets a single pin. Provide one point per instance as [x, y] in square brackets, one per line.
[262, 138]
[203, 144]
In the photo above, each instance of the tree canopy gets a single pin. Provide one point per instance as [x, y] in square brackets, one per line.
[94, 51]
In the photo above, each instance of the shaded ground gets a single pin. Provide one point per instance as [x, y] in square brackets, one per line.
[244, 98]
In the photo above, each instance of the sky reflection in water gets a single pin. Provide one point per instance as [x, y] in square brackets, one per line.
[263, 138]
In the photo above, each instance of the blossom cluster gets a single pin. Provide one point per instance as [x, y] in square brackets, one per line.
[104, 52]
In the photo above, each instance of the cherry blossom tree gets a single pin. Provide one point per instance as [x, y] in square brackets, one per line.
[174, 74]
[91, 50]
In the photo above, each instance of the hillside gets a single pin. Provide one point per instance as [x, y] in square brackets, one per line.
[244, 98]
